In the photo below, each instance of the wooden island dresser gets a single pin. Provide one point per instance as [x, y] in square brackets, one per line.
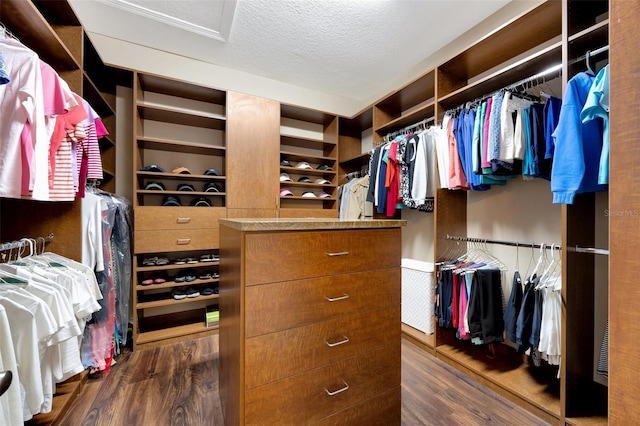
[310, 321]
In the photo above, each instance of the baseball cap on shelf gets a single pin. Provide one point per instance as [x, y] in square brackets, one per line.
[186, 187]
[284, 177]
[303, 165]
[285, 192]
[304, 179]
[323, 194]
[182, 171]
[323, 181]
[201, 202]
[212, 187]
[152, 168]
[309, 194]
[211, 172]
[171, 200]
[286, 163]
[324, 167]
[154, 186]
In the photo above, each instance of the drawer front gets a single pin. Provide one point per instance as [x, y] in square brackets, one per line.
[273, 257]
[316, 394]
[173, 240]
[279, 355]
[153, 218]
[288, 304]
[382, 410]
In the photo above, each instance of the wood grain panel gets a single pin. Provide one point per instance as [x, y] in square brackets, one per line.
[158, 217]
[316, 253]
[278, 355]
[382, 410]
[302, 399]
[253, 146]
[147, 241]
[624, 198]
[290, 304]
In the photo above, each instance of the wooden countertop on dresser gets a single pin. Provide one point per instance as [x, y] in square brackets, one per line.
[305, 224]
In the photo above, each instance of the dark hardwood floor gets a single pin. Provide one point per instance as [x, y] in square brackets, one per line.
[177, 385]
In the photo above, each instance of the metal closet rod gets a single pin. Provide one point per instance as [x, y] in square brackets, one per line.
[577, 249]
[21, 243]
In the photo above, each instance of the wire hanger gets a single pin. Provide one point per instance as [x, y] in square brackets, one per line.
[587, 58]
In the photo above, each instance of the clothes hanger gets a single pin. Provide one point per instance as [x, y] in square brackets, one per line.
[587, 57]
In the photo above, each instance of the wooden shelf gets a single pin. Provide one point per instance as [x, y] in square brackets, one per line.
[179, 176]
[305, 114]
[18, 15]
[309, 158]
[173, 284]
[185, 193]
[183, 89]
[307, 185]
[360, 159]
[415, 116]
[510, 376]
[411, 95]
[523, 68]
[65, 395]
[173, 332]
[587, 421]
[523, 33]
[170, 145]
[419, 338]
[175, 115]
[301, 142]
[171, 301]
[95, 98]
[173, 266]
[295, 197]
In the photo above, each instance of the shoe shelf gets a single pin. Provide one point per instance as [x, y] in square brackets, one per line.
[173, 266]
[165, 299]
[164, 334]
[172, 284]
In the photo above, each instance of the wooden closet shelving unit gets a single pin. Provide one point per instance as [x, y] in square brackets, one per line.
[527, 45]
[176, 124]
[310, 136]
[51, 29]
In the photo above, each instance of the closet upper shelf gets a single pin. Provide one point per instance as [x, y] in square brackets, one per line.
[303, 142]
[413, 94]
[524, 68]
[41, 37]
[414, 116]
[150, 83]
[524, 33]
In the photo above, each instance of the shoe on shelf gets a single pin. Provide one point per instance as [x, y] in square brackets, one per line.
[192, 260]
[189, 278]
[192, 292]
[160, 261]
[148, 281]
[180, 261]
[179, 278]
[207, 291]
[205, 276]
[178, 294]
[149, 261]
[206, 258]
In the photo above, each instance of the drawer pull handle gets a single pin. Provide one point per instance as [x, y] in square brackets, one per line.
[340, 253]
[183, 220]
[335, 299]
[183, 241]
[341, 342]
[335, 392]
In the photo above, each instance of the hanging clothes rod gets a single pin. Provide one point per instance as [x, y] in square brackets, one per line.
[550, 70]
[576, 249]
[504, 243]
[590, 53]
[22, 243]
[418, 125]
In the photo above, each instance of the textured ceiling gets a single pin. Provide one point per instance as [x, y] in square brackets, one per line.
[348, 48]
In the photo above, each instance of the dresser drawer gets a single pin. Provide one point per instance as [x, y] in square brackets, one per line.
[273, 257]
[305, 398]
[154, 217]
[382, 410]
[175, 240]
[273, 307]
[274, 356]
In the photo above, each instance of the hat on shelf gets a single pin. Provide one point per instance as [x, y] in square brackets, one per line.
[323, 181]
[212, 187]
[186, 187]
[324, 167]
[171, 200]
[304, 179]
[285, 192]
[323, 194]
[152, 168]
[211, 172]
[201, 202]
[284, 177]
[154, 186]
[303, 165]
[182, 171]
[308, 194]
[286, 163]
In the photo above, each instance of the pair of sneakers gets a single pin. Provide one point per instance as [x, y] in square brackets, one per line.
[183, 293]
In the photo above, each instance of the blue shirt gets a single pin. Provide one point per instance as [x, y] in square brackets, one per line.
[597, 105]
[577, 146]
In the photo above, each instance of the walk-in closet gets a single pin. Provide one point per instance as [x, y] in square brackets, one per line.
[185, 243]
